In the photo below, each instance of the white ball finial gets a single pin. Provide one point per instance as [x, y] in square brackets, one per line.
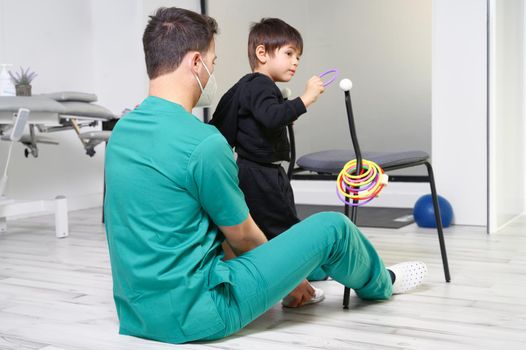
[345, 84]
[286, 93]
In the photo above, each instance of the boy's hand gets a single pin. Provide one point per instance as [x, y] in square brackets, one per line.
[313, 89]
[300, 294]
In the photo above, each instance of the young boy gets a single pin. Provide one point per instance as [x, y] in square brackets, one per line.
[253, 117]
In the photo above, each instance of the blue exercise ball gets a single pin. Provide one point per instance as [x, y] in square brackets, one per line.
[424, 212]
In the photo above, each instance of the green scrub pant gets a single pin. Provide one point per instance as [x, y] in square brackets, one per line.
[263, 276]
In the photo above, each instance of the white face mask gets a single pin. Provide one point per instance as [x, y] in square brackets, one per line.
[209, 91]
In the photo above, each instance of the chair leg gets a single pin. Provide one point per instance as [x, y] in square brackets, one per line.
[438, 220]
[347, 291]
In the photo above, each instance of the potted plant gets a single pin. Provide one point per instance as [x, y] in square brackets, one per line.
[22, 81]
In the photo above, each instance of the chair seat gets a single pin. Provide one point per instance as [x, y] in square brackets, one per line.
[332, 161]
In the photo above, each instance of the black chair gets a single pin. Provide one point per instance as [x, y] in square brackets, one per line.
[327, 165]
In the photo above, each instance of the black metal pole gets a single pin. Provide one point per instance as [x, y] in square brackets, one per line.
[352, 128]
[358, 155]
[206, 110]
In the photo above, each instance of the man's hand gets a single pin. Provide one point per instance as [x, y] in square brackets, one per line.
[302, 293]
[227, 249]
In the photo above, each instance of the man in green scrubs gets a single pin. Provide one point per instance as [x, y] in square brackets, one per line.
[173, 206]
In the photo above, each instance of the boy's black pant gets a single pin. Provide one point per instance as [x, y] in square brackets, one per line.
[269, 196]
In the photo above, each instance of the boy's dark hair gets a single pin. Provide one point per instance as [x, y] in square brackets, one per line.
[170, 34]
[273, 33]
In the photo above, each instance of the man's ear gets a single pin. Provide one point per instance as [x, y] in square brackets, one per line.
[261, 54]
[194, 60]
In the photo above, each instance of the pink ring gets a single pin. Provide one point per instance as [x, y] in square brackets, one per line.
[336, 73]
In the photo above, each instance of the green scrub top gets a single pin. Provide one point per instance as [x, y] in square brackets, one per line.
[170, 179]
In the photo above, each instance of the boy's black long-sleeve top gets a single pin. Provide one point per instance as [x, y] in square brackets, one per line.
[253, 116]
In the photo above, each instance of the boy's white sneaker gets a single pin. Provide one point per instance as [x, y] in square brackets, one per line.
[319, 295]
[408, 275]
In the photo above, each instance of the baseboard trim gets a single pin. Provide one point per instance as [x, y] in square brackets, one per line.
[78, 202]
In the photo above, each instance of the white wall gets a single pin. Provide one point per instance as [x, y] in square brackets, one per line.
[384, 46]
[54, 38]
[95, 46]
[117, 56]
[459, 123]
[459, 115]
[119, 68]
[506, 138]
[92, 46]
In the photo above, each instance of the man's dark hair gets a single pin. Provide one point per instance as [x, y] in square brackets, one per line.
[272, 33]
[170, 34]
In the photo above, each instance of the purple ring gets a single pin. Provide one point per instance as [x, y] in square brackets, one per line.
[336, 73]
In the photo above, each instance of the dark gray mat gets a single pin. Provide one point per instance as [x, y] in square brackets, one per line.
[367, 216]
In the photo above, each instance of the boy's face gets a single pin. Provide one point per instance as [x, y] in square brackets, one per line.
[282, 66]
